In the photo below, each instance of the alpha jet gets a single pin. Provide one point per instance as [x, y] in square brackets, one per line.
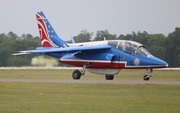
[106, 57]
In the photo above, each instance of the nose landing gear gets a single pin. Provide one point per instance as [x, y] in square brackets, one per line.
[147, 77]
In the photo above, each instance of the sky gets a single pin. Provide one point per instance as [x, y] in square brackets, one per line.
[70, 17]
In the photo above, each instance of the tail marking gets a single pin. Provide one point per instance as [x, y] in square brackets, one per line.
[49, 38]
[45, 40]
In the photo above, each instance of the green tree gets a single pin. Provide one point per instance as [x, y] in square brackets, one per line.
[12, 35]
[11, 43]
[125, 37]
[2, 36]
[29, 36]
[84, 36]
[156, 45]
[173, 48]
[101, 35]
[142, 37]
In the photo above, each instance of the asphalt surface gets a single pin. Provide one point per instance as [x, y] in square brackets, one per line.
[90, 81]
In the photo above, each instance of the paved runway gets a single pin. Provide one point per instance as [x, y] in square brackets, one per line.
[90, 81]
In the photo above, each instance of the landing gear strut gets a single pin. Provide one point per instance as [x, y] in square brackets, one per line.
[76, 75]
[147, 77]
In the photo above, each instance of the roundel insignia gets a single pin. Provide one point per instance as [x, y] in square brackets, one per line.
[136, 62]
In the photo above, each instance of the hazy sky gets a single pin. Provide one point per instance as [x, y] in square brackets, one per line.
[69, 17]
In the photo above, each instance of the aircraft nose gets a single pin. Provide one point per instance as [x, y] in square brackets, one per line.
[167, 65]
[159, 62]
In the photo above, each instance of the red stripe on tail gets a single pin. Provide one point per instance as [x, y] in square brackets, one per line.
[43, 32]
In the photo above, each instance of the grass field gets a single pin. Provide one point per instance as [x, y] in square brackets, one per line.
[88, 98]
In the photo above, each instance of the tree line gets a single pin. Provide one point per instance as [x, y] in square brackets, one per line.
[11, 43]
[161, 46]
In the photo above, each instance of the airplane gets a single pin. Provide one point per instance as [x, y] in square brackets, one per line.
[106, 57]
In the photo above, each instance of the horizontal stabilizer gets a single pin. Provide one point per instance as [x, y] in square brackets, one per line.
[21, 53]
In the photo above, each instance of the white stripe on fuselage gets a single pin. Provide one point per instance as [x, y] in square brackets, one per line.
[89, 43]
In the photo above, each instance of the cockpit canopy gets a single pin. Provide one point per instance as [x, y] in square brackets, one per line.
[131, 47]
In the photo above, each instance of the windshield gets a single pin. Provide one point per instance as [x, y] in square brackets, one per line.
[142, 51]
[130, 47]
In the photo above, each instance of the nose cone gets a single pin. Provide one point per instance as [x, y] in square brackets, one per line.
[157, 63]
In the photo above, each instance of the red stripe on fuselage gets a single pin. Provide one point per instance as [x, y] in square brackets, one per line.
[95, 64]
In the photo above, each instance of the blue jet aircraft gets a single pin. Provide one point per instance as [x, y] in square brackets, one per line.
[106, 57]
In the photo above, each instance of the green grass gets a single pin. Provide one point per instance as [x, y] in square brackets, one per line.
[67, 74]
[88, 98]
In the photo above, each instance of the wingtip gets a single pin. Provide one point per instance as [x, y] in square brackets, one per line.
[20, 53]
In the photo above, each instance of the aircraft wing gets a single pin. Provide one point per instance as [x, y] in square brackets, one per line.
[63, 50]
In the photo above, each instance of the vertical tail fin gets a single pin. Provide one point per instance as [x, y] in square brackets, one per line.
[48, 36]
[72, 39]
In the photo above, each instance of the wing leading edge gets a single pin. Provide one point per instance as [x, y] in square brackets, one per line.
[63, 50]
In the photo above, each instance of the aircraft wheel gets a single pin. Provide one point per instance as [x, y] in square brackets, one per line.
[109, 77]
[146, 77]
[76, 75]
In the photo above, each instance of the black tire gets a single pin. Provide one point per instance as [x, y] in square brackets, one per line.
[146, 78]
[109, 77]
[76, 75]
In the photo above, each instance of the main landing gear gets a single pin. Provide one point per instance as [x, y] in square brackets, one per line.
[109, 77]
[147, 77]
[77, 74]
